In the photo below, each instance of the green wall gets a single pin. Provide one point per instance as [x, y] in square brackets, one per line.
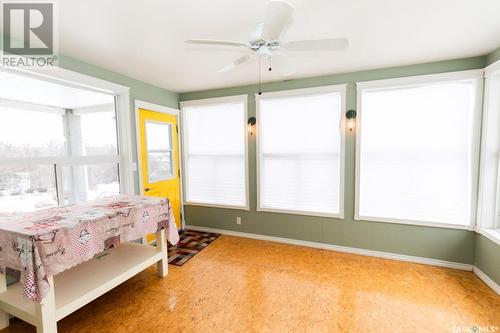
[493, 56]
[488, 257]
[430, 242]
[138, 90]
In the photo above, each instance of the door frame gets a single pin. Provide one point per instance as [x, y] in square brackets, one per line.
[139, 104]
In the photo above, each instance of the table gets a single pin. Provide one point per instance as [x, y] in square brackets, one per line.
[65, 257]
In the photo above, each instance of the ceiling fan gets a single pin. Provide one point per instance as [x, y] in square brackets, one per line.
[266, 43]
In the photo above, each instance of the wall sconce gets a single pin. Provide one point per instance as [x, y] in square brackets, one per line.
[251, 125]
[351, 119]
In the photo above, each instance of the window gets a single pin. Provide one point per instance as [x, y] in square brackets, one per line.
[27, 187]
[215, 152]
[300, 151]
[159, 151]
[489, 177]
[88, 182]
[418, 149]
[60, 150]
[26, 132]
[101, 122]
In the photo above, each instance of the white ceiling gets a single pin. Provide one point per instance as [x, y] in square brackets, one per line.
[144, 39]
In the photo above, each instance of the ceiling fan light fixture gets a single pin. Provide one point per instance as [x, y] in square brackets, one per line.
[265, 41]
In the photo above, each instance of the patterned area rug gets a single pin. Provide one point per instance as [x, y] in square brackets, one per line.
[190, 243]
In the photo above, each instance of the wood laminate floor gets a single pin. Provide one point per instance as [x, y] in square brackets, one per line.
[243, 285]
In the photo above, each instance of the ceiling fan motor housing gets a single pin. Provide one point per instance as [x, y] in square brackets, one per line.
[263, 47]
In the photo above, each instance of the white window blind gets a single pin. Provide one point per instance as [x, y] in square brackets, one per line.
[215, 152]
[300, 153]
[417, 152]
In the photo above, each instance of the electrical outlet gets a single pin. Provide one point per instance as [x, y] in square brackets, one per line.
[238, 219]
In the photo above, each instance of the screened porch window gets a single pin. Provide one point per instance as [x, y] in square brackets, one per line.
[58, 145]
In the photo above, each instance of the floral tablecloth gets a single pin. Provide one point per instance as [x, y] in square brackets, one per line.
[46, 242]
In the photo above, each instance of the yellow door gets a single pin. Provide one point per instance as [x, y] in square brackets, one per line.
[160, 159]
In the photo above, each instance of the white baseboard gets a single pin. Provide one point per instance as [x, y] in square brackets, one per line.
[486, 279]
[353, 250]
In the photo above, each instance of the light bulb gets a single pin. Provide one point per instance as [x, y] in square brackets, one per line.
[250, 129]
[350, 124]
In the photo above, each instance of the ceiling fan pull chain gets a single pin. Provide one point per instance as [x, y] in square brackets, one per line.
[271, 62]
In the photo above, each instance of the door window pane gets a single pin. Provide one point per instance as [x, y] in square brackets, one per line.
[159, 151]
[27, 188]
[158, 136]
[159, 166]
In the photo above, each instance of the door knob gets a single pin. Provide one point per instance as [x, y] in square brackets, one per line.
[146, 189]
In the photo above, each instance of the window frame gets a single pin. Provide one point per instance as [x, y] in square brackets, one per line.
[338, 88]
[210, 101]
[169, 151]
[417, 81]
[487, 225]
[123, 157]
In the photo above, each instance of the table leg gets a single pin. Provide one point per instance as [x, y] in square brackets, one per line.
[161, 244]
[46, 312]
[4, 316]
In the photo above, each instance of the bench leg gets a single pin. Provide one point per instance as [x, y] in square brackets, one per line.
[161, 244]
[46, 312]
[4, 316]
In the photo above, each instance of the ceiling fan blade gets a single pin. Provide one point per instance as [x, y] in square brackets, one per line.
[330, 44]
[216, 42]
[238, 62]
[279, 13]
